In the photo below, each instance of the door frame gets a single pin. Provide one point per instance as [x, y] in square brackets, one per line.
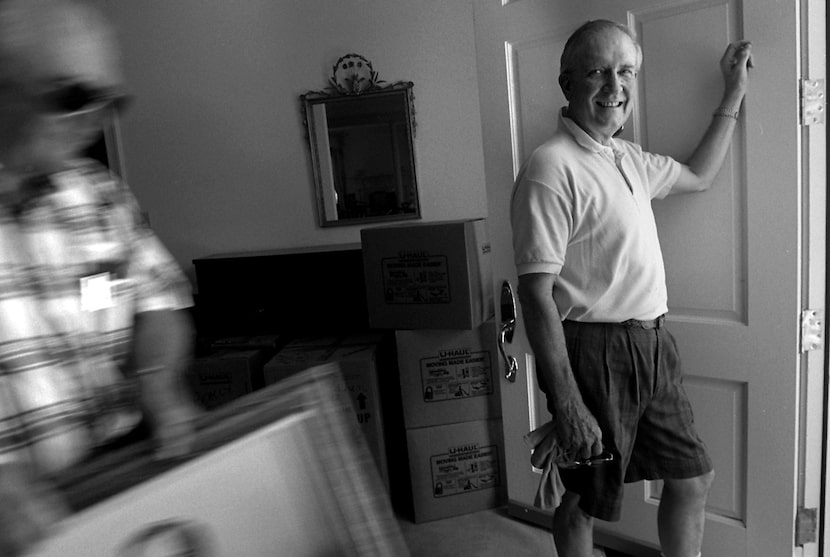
[814, 465]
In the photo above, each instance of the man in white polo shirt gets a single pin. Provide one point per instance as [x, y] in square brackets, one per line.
[593, 292]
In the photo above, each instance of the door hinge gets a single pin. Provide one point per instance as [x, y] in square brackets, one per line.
[813, 101]
[806, 526]
[812, 329]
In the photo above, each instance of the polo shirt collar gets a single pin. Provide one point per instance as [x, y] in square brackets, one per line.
[582, 138]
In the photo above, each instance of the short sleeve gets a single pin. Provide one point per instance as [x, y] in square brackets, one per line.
[160, 284]
[662, 172]
[541, 218]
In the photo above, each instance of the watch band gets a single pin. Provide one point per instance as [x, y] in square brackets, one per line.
[726, 113]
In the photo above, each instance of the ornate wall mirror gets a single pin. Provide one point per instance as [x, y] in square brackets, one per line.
[361, 138]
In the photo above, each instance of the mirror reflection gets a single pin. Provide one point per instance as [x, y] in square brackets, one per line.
[362, 154]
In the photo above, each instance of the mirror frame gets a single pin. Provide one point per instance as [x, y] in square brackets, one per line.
[336, 93]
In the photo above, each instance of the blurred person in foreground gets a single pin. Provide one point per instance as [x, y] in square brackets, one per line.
[93, 342]
[593, 290]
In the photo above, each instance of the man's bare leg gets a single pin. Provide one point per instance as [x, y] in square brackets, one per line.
[573, 530]
[681, 515]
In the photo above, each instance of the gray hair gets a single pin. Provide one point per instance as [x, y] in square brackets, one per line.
[573, 47]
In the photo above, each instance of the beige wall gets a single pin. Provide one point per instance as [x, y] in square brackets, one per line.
[214, 145]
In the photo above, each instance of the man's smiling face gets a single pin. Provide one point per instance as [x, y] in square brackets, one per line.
[601, 87]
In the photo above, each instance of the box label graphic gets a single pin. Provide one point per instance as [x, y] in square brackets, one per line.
[465, 469]
[428, 275]
[416, 278]
[456, 374]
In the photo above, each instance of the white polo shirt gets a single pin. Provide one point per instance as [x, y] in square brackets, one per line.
[582, 210]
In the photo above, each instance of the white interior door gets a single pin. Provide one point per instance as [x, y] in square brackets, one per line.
[733, 254]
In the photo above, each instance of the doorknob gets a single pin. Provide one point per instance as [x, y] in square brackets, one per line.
[508, 325]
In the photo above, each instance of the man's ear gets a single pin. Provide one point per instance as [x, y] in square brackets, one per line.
[565, 85]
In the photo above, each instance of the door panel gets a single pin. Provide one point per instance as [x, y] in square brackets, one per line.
[732, 254]
[675, 41]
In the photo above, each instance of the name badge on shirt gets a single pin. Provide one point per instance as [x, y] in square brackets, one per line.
[96, 292]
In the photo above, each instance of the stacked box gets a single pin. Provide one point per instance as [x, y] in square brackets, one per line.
[432, 283]
[252, 342]
[428, 276]
[297, 355]
[450, 391]
[448, 376]
[225, 375]
[456, 468]
[357, 356]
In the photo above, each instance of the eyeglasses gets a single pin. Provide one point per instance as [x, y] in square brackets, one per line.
[601, 458]
[66, 97]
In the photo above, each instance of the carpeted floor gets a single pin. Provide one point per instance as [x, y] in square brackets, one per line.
[490, 533]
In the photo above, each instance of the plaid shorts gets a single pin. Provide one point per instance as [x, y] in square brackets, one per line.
[630, 379]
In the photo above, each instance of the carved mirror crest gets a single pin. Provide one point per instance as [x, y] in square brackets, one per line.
[361, 135]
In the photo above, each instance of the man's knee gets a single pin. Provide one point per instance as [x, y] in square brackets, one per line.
[696, 488]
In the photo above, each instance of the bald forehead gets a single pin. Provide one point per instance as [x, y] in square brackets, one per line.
[48, 39]
[594, 37]
[610, 38]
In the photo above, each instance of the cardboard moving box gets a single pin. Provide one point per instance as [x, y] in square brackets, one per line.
[449, 376]
[253, 342]
[428, 276]
[357, 358]
[456, 469]
[227, 374]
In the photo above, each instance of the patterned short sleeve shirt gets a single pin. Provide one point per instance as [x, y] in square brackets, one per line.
[76, 264]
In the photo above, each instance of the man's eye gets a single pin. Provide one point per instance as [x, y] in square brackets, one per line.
[628, 73]
[594, 73]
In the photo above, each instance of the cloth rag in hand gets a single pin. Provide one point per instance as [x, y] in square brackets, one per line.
[546, 455]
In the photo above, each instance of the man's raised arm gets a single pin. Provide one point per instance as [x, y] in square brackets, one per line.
[703, 165]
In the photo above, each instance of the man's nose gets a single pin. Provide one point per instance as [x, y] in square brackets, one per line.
[613, 83]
